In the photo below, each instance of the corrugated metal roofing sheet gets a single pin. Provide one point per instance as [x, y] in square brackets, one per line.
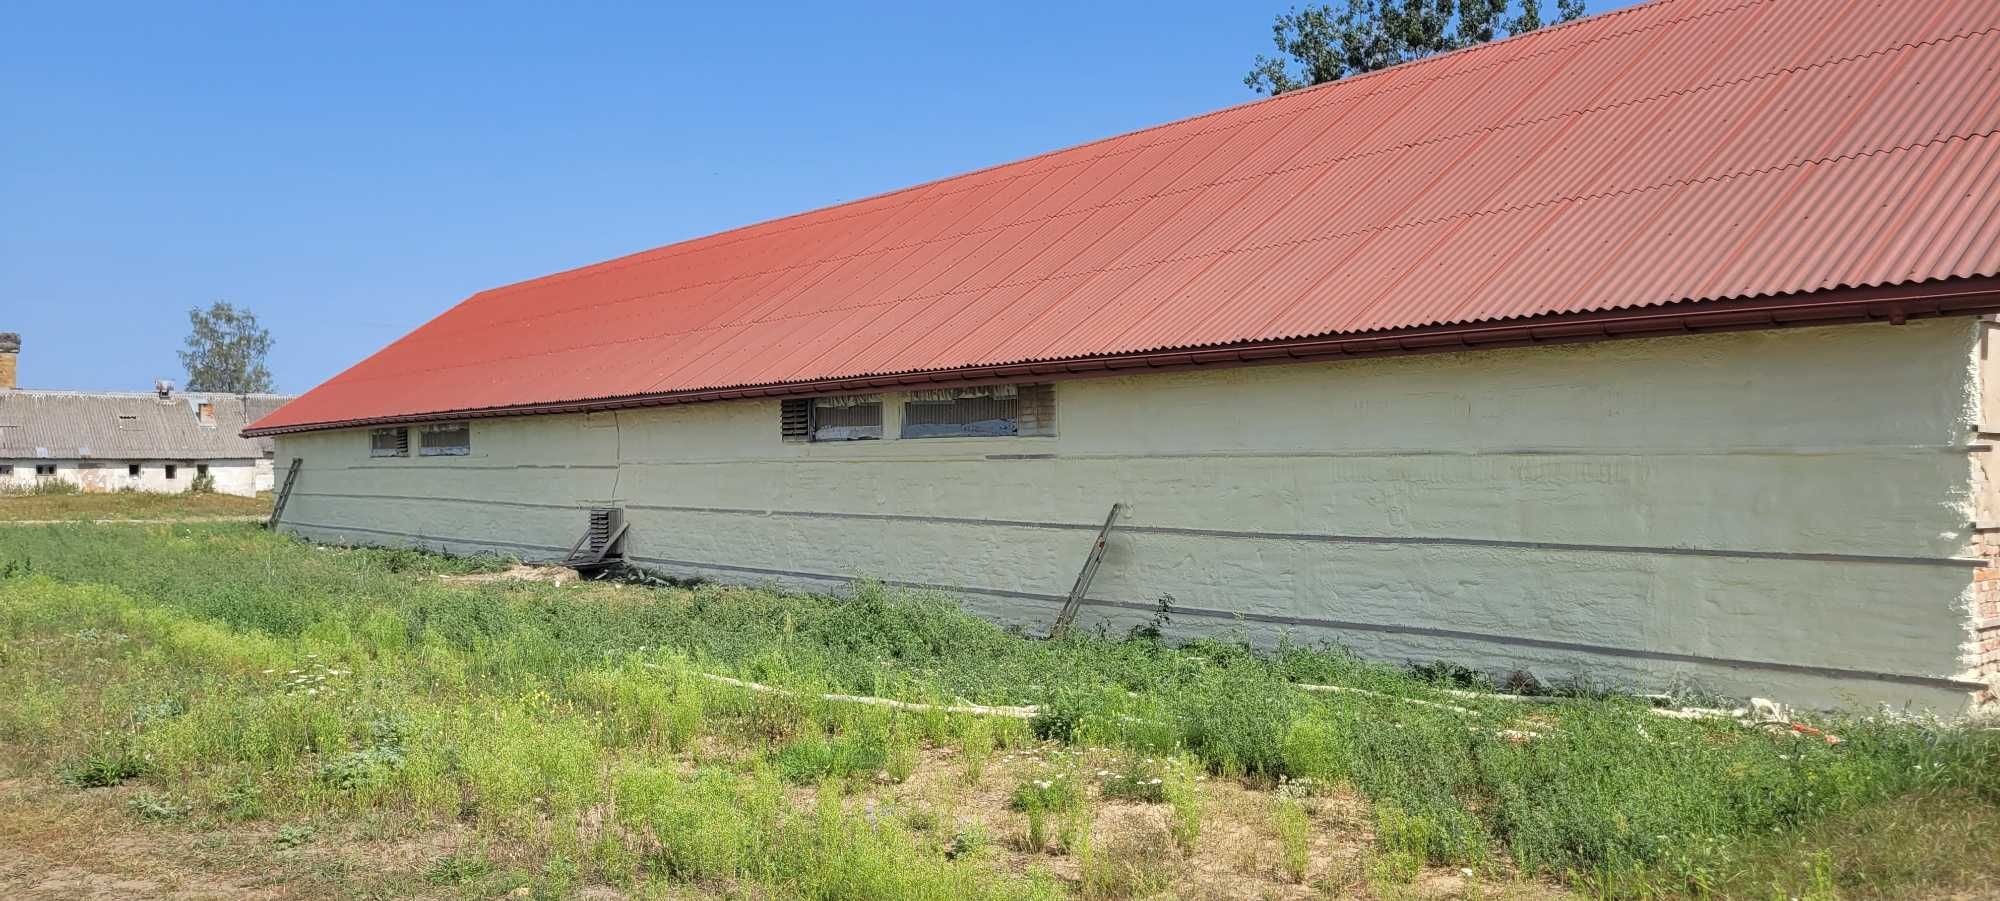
[73, 425]
[1673, 152]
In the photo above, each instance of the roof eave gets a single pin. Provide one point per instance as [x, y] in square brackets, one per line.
[1895, 304]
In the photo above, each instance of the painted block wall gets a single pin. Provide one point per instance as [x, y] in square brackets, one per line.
[231, 476]
[1784, 513]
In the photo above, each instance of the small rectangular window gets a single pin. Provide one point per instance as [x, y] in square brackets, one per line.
[449, 440]
[132, 469]
[389, 443]
[853, 418]
[983, 412]
[172, 471]
[45, 469]
[6, 469]
[201, 469]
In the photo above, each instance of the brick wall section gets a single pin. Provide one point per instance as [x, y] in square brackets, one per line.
[1986, 615]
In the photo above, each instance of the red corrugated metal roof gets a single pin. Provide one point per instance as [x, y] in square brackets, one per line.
[1676, 152]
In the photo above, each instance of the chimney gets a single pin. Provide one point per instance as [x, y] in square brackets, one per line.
[164, 390]
[10, 361]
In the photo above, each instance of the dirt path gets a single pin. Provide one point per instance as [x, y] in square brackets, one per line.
[58, 842]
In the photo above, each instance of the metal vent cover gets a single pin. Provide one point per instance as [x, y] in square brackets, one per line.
[795, 419]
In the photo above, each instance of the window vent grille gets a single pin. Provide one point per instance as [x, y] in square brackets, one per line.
[452, 440]
[389, 443]
[795, 419]
[602, 541]
[603, 521]
[980, 412]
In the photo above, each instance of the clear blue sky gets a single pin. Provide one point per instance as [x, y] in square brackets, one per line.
[349, 170]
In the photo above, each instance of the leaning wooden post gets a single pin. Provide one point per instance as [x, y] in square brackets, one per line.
[285, 493]
[1076, 592]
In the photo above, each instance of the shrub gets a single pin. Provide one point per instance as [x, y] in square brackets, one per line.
[109, 763]
[815, 758]
[975, 747]
[157, 808]
[1142, 779]
[1294, 836]
[1183, 795]
[296, 835]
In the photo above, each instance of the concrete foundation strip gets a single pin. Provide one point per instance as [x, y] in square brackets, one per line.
[1828, 672]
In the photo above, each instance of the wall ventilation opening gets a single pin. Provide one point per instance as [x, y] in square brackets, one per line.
[795, 419]
[990, 411]
[389, 443]
[602, 544]
[448, 440]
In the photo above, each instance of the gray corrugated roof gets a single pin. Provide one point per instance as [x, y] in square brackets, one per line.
[73, 424]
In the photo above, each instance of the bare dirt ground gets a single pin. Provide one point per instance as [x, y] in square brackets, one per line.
[553, 575]
[59, 842]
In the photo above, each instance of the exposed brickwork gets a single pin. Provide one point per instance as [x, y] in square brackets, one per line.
[1986, 616]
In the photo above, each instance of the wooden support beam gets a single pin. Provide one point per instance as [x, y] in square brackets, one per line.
[285, 493]
[1082, 586]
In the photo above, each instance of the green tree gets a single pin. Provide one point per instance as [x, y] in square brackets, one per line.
[225, 351]
[1318, 44]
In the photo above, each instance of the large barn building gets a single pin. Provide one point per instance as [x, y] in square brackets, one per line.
[1650, 349]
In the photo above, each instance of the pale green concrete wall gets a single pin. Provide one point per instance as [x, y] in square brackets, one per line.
[1771, 513]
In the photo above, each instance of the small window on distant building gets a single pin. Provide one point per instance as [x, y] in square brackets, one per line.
[204, 413]
[389, 443]
[6, 469]
[200, 469]
[448, 440]
[132, 469]
[990, 411]
[45, 469]
[172, 471]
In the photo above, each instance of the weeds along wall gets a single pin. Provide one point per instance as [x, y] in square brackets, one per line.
[1782, 513]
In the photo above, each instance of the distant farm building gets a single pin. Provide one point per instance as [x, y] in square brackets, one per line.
[158, 441]
[1649, 349]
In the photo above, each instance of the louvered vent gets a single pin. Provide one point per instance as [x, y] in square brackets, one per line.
[795, 419]
[603, 525]
[389, 443]
[599, 546]
[1037, 414]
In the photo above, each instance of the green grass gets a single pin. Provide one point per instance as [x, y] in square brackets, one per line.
[62, 501]
[261, 678]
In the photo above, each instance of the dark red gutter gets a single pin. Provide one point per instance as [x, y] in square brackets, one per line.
[1897, 304]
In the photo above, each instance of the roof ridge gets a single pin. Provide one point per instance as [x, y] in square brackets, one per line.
[84, 392]
[616, 263]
